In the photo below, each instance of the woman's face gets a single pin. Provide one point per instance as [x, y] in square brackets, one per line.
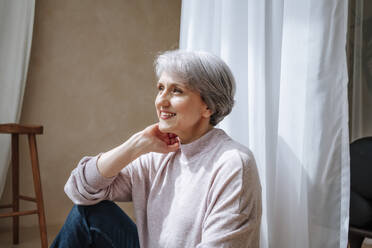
[181, 110]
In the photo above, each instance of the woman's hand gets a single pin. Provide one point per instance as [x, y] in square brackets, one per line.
[149, 140]
[156, 141]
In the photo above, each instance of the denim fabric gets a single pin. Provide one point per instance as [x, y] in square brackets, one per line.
[101, 225]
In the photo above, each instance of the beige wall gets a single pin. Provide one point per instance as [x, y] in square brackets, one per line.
[90, 84]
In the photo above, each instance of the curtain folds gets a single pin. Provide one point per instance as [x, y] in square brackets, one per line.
[289, 61]
[16, 26]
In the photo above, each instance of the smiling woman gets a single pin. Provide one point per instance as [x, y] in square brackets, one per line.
[203, 89]
[181, 110]
[190, 183]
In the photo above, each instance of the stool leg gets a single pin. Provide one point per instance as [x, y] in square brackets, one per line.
[38, 191]
[15, 186]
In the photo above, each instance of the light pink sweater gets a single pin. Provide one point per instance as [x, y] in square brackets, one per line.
[207, 194]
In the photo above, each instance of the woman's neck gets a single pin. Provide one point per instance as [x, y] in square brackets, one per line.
[195, 134]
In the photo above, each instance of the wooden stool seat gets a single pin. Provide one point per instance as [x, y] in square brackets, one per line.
[15, 130]
[20, 129]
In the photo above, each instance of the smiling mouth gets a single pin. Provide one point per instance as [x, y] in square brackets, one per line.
[164, 115]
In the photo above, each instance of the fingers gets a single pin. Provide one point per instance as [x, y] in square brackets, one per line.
[171, 142]
[174, 147]
[168, 138]
[171, 135]
[171, 139]
[159, 141]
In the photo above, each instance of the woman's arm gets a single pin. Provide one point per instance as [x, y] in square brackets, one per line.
[149, 140]
[233, 215]
[105, 178]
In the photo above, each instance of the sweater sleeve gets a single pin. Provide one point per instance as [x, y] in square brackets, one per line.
[233, 214]
[86, 186]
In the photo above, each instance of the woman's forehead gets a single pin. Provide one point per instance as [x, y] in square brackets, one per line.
[167, 78]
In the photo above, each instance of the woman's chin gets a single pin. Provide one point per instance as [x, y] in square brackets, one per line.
[163, 127]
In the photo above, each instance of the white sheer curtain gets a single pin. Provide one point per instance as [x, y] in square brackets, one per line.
[16, 23]
[289, 61]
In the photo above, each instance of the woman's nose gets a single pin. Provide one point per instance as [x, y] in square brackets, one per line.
[162, 99]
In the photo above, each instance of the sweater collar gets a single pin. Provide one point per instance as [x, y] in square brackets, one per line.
[201, 145]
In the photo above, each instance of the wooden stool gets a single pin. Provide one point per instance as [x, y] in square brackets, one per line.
[31, 131]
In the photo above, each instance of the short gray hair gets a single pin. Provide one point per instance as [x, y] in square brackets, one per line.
[205, 73]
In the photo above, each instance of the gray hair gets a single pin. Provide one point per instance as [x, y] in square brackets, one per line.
[205, 73]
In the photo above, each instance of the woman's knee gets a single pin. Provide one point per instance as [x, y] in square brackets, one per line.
[106, 213]
[108, 223]
[84, 214]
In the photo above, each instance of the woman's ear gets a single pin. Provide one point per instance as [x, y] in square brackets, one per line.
[206, 112]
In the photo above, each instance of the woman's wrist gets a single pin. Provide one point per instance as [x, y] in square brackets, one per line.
[137, 145]
[112, 162]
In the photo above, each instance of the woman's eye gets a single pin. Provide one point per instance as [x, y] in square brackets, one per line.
[176, 90]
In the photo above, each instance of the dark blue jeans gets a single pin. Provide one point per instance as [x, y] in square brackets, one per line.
[100, 225]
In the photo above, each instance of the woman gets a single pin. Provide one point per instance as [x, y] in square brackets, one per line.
[191, 185]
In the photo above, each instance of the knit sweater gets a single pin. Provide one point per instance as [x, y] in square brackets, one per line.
[206, 194]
